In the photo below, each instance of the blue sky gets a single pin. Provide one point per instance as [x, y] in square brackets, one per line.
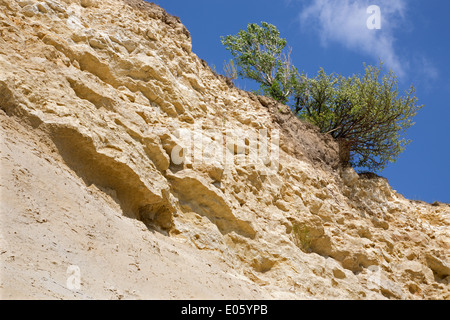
[413, 41]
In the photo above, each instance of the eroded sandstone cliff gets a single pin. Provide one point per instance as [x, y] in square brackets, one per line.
[97, 100]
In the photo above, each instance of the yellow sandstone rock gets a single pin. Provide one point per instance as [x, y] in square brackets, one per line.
[98, 100]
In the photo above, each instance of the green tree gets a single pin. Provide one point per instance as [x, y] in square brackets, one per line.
[365, 114]
[260, 54]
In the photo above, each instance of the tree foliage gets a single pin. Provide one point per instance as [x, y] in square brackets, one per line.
[260, 54]
[364, 113]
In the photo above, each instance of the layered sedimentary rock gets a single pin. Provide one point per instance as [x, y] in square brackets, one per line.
[124, 154]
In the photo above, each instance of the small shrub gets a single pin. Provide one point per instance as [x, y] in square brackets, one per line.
[302, 237]
[230, 70]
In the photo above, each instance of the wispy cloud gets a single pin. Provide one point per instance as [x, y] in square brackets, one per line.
[345, 22]
[424, 72]
[429, 71]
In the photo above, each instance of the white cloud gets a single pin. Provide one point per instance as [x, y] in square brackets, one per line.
[345, 22]
[424, 72]
[429, 71]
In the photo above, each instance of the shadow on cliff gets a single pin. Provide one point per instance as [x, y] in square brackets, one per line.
[112, 177]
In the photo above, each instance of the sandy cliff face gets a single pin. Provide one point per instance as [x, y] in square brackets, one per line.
[125, 156]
